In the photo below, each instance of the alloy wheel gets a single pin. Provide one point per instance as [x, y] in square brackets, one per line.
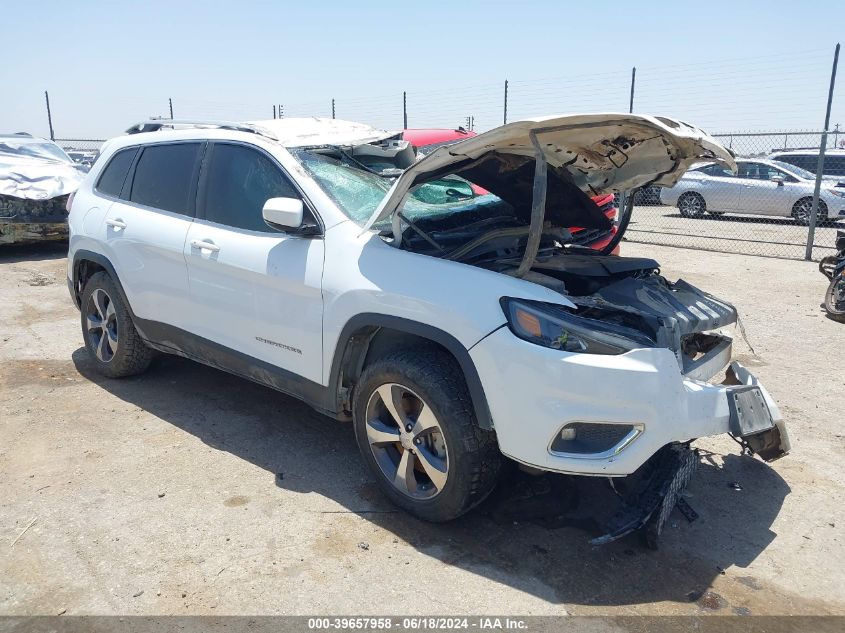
[691, 205]
[407, 441]
[804, 209]
[101, 325]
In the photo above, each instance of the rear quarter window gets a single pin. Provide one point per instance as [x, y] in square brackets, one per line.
[113, 176]
[164, 177]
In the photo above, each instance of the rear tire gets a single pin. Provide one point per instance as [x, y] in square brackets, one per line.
[435, 462]
[110, 336]
[802, 209]
[834, 299]
[691, 205]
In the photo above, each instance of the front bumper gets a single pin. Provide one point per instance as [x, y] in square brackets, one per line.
[533, 392]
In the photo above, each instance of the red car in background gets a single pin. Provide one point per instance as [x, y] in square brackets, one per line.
[426, 140]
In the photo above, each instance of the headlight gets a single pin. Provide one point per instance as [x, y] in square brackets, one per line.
[839, 193]
[553, 326]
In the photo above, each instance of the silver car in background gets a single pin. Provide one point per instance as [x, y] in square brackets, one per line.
[759, 187]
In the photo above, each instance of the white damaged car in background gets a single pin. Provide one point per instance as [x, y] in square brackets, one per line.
[451, 329]
[36, 179]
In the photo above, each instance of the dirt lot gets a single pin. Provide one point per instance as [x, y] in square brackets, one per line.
[744, 234]
[188, 491]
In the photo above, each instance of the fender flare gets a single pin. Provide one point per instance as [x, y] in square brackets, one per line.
[422, 330]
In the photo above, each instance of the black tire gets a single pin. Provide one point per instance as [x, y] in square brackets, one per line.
[112, 342]
[801, 211]
[473, 458]
[691, 205]
[834, 299]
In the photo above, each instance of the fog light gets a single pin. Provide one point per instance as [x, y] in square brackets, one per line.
[568, 434]
[591, 439]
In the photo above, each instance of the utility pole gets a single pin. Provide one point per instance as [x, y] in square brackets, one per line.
[633, 82]
[49, 116]
[814, 212]
[170, 102]
[274, 111]
[505, 118]
[404, 110]
[332, 108]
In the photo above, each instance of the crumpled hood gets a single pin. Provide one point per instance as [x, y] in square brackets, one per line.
[34, 179]
[597, 153]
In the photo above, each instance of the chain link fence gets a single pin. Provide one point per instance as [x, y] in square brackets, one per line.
[81, 150]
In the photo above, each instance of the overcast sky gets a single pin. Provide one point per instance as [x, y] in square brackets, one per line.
[725, 66]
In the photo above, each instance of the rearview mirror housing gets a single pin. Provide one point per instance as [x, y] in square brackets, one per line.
[283, 213]
[777, 179]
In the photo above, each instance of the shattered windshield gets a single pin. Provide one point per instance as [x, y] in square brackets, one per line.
[358, 191]
[44, 151]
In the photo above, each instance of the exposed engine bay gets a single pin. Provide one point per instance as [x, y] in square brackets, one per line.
[512, 202]
[626, 292]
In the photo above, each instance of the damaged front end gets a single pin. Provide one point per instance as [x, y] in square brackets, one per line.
[24, 221]
[36, 180]
[625, 365]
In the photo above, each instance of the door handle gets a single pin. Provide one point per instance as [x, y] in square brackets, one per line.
[205, 246]
[117, 223]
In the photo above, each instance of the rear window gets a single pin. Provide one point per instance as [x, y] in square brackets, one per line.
[164, 177]
[111, 180]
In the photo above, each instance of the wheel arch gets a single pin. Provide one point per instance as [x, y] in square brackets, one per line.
[367, 336]
[85, 265]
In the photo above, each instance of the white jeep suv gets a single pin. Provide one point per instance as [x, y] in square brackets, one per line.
[439, 304]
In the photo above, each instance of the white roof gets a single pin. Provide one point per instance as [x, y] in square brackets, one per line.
[310, 131]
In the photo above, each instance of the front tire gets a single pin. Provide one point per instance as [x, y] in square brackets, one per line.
[416, 429]
[110, 336]
[691, 205]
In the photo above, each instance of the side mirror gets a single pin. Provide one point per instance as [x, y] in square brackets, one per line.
[778, 180]
[283, 213]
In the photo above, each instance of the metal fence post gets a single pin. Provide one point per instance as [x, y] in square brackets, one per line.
[332, 108]
[49, 116]
[170, 103]
[811, 233]
[505, 118]
[633, 83]
[274, 111]
[404, 110]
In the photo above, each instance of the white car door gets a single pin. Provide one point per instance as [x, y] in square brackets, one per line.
[145, 228]
[253, 289]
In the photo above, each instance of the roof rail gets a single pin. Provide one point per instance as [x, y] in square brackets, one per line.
[153, 125]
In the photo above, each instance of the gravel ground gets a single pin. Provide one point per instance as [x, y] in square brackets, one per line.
[743, 234]
[188, 491]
